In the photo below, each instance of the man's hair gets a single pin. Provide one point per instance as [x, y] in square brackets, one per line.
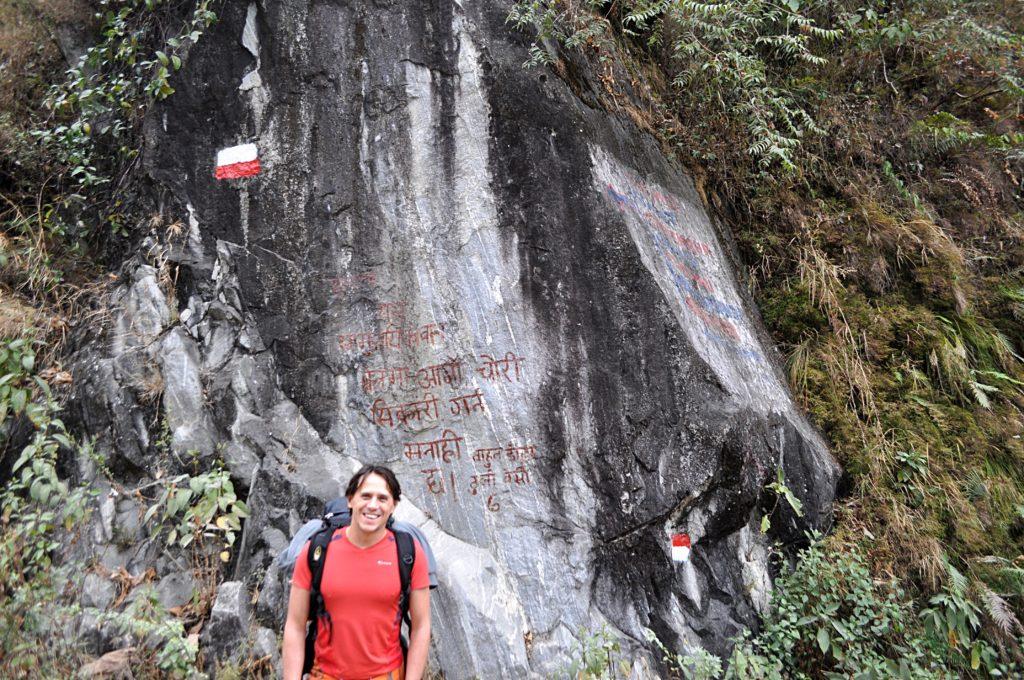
[384, 472]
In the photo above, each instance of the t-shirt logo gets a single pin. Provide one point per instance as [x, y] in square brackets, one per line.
[382, 563]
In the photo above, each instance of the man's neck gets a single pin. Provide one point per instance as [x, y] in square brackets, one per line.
[361, 539]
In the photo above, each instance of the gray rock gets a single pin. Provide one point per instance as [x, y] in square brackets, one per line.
[218, 348]
[88, 632]
[105, 527]
[271, 603]
[176, 589]
[112, 557]
[274, 539]
[108, 409]
[265, 645]
[184, 401]
[128, 522]
[144, 309]
[97, 591]
[229, 623]
[144, 555]
[241, 462]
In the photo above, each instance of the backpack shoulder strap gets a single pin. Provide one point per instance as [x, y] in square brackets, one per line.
[406, 558]
[315, 559]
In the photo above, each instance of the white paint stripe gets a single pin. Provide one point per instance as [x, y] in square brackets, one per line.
[236, 154]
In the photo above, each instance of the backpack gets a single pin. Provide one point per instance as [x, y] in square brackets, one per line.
[318, 534]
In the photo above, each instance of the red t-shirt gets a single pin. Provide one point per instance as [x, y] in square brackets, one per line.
[361, 589]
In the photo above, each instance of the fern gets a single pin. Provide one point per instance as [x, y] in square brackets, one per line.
[981, 392]
[641, 17]
[943, 133]
[999, 611]
[1015, 299]
[738, 57]
[958, 583]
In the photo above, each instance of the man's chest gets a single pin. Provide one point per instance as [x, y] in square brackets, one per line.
[360, 578]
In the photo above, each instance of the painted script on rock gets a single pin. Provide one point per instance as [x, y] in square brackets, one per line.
[680, 247]
[437, 401]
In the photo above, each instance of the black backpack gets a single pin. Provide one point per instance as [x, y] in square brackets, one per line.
[337, 515]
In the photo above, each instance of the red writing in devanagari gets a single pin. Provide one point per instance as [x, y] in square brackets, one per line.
[393, 415]
[467, 404]
[506, 367]
[519, 454]
[437, 483]
[430, 334]
[445, 449]
[391, 313]
[448, 373]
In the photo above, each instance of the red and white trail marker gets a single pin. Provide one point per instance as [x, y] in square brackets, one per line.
[680, 547]
[237, 161]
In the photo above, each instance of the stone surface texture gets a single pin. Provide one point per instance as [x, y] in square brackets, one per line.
[229, 622]
[466, 270]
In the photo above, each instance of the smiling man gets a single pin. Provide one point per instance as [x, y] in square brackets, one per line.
[358, 635]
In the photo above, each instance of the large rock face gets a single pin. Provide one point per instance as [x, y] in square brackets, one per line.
[454, 266]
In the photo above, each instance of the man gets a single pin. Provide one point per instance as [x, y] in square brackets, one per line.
[361, 590]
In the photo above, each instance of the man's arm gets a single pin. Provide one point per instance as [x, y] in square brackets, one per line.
[293, 648]
[419, 633]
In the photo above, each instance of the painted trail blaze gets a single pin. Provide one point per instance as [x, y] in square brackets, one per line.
[237, 161]
[680, 547]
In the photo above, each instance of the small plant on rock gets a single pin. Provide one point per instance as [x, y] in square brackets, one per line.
[200, 508]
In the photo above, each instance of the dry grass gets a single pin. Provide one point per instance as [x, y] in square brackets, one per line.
[16, 316]
[846, 364]
[151, 385]
[823, 280]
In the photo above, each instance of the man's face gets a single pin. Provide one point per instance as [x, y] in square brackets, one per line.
[372, 504]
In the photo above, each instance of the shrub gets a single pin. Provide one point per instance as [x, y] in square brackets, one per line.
[829, 616]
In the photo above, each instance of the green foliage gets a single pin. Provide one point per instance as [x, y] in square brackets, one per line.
[954, 620]
[695, 664]
[967, 353]
[37, 514]
[159, 636]
[34, 620]
[911, 471]
[594, 657]
[99, 105]
[35, 506]
[830, 618]
[871, 26]
[745, 58]
[781, 491]
[68, 162]
[738, 56]
[943, 133]
[200, 508]
[17, 361]
[572, 25]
